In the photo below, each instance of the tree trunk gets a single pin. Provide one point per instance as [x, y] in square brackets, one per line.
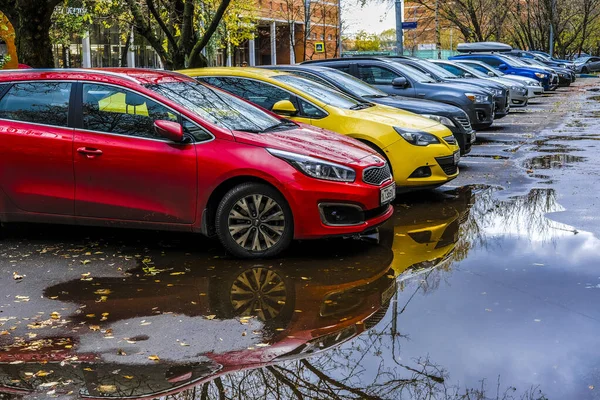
[32, 21]
[124, 51]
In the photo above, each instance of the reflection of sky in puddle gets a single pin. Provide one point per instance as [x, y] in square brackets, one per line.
[516, 308]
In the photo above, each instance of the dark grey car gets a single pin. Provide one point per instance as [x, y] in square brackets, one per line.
[397, 79]
[500, 92]
[452, 117]
[585, 65]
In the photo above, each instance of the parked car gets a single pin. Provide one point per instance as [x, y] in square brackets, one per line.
[158, 150]
[585, 65]
[499, 91]
[533, 86]
[422, 152]
[542, 59]
[548, 56]
[565, 75]
[450, 116]
[512, 66]
[517, 91]
[397, 79]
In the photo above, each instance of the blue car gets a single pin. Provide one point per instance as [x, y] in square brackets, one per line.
[511, 66]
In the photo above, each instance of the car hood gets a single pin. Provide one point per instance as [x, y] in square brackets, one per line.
[480, 82]
[418, 106]
[314, 142]
[391, 116]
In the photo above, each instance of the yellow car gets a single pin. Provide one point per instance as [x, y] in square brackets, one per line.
[422, 153]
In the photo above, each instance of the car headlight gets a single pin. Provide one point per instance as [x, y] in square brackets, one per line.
[316, 168]
[495, 92]
[540, 75]
[418, 138]
[477, 98]
[441, 119]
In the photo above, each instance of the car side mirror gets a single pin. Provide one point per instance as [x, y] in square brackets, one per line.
[284, 107]
[490, 73]
[169, 129]
[400, 82]
[503, 67]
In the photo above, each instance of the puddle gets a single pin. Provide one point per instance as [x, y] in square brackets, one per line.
[458, 288]
[551, 161]
[595, 98]
[495, 157]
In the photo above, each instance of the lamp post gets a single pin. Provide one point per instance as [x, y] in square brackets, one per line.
[552, 12]
[399, 32]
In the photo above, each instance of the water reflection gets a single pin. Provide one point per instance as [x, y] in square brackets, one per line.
[462, 287]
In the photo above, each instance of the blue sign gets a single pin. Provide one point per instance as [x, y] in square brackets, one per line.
[409, 25]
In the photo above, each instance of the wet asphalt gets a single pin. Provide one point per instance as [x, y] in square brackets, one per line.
[486, 288]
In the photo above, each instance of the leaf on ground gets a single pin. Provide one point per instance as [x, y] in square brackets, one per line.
[154, 358]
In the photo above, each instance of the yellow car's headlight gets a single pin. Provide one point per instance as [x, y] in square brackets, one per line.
[417, 138]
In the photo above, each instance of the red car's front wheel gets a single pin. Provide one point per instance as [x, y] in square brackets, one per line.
[253, 220]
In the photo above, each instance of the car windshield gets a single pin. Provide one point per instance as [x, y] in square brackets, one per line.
[512, 62]
[476, 73]
[352, 84]
[484, 66]
[328, 96]
[438, 71]
[414, 74]
[216, 106]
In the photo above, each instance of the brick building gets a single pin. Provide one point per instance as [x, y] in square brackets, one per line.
[423, 38]
[287, 31]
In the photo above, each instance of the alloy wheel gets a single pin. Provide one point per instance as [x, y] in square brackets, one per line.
[256, 222]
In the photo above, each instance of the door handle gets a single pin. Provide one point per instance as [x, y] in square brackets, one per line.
[89, 152]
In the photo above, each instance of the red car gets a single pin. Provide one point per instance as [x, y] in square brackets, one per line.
[154, 149]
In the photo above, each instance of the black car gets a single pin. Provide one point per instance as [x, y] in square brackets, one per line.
[565, 75]
[499, 91]
[452, 117]
[398, 79]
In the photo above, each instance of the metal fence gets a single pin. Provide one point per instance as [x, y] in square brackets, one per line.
[445, 54]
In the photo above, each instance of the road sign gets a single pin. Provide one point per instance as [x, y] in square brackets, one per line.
[319, 47]
[409, 25]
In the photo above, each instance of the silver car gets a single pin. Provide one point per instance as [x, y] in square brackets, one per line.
[517, 91]
[533, 87]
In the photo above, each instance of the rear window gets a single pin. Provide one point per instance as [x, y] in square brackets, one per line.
[37, 102]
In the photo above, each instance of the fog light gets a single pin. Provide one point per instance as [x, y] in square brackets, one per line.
[421, 172]
[341, 214]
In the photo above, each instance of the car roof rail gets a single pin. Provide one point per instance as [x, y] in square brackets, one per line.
[67, 70]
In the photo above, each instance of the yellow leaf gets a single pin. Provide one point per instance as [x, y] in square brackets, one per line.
[154, 358]
[210, 316]
[107, 388]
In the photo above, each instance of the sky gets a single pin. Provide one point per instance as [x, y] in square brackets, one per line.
[375, 17]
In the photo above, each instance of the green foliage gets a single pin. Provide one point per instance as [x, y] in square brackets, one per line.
[70, 20]
[366, 42]
[5, 58]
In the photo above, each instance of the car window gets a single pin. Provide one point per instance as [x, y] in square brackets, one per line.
[313, 78]
[375, 75]
[310, 110]
[494, 62]
[324, 94]
[197, 132]
[353, 85]
[38, 102]
[340, 67]
[453, 69]
[115, 110]
[263, 94]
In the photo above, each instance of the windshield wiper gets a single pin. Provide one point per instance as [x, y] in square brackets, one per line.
[361, 106]
[376, 96]
[285, 123]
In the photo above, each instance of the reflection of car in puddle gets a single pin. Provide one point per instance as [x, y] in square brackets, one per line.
[299, 306]
[423, 235]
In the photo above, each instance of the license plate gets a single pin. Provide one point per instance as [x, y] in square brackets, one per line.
[456, 157]
[387, 194]
[473, 137]
[388, 293]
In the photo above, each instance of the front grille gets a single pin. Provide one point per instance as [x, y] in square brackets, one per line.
[377, 175]
[464, 122]
[447, 164]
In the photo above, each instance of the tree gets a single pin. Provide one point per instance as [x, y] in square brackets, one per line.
[366, 42]
[69, 20]
[7, 34]
[387, 39]
[186, 29]
[32, 20]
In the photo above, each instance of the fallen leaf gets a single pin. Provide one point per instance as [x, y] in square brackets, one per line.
[154, 358]
[18, 277]
[210, 316]
[85, 262]
[107, 388]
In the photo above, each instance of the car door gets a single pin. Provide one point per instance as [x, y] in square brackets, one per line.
[382, 77]
[123, 169]
[36, 158]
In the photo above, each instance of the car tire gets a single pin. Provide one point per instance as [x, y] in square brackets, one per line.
[584, 70]
[265, 235]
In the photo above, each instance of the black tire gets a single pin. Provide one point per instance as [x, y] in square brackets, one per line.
[584, 70]
[277, 227]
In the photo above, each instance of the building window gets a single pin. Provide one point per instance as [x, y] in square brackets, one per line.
[322, 36]
[329, 37]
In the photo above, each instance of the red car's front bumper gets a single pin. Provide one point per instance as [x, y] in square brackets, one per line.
[306, 194]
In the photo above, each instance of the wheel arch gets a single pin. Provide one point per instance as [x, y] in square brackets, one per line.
[207, 226]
